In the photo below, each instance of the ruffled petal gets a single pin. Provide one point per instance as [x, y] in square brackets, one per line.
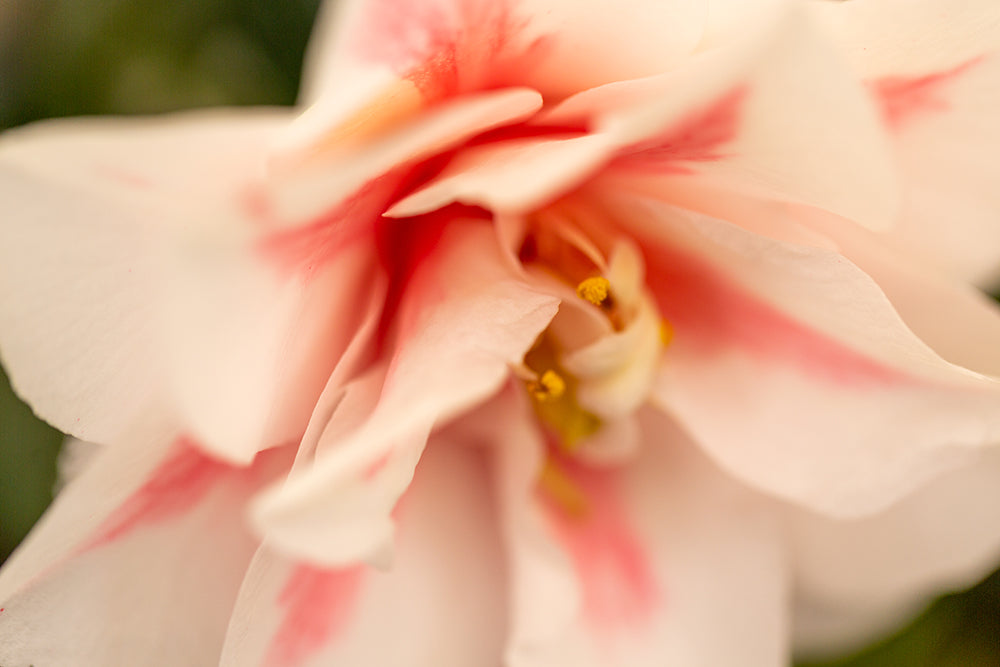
[462, 321]
[440, 605]
[668, 562]
[512, 176]
[776, 114]
[138, 562]
[311, 182]
[828, 398]
[956, 320]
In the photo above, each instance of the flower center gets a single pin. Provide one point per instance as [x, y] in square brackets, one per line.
[593, 367]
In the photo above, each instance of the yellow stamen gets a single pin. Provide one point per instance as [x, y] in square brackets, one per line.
[666, 332]
[549, 387]
[554, 398]
[595, 290]
[562, 490]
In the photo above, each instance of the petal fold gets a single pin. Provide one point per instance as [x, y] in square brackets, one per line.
[668, 562]
[830, 399]
[441, 602]
[137, 563]
[463, 320]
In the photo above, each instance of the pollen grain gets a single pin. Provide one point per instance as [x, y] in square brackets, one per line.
[595, 290]
[549, 387]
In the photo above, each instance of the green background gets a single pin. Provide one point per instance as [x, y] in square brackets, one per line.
[73, 57]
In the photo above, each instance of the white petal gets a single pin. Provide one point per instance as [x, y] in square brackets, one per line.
[86, 207]
[462, 322]
[137, 286]
[155, 578]
[673, 565]
[927, 35]
[791, 367]
[440, 605]
[948, 155]
[251, 348]
[775, 113]
[956, 320]
[891, 563]
[937, 76]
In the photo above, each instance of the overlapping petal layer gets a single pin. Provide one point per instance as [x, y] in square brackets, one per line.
[442, 601]
[463, 321]
[108, 577]
[401, 272]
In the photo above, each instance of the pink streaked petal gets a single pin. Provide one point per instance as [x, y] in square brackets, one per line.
[941, 68]
[79, 510]
[956, 320]
[307, 247]
[316, 605]
[619, 586]
[131, 595]
[445, 46]
[811, 355]
[712, 284]
[709, 312]
[656, 584]
[774, 113]
[461, 321]
[947, 136]
[154, 230]
[515, 176]
[903, 97]
[441, 602]
[323, 169]
[701, 136]
[177, 485]
[448, 46]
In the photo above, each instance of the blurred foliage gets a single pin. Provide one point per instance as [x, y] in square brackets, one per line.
[961, 630]
[28, 450]
[76, 57]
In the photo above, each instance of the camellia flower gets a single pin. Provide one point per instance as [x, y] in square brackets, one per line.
[542, 333]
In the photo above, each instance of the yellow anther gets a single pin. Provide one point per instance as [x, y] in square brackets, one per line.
[562, 490]
[596, 290]
[549, 387]
[666, 332]
[554, 398]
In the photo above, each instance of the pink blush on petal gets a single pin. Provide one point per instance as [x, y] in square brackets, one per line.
[697, 138]
[709, 314]
[181, 481]
[619, 586]
[903, 97]
[308, 246]
[175, 487]
[317, 604]
[442, 46]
